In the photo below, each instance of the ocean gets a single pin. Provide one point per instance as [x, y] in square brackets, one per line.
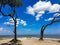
[45, 36]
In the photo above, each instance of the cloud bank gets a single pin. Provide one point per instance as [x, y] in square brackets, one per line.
[40, 7]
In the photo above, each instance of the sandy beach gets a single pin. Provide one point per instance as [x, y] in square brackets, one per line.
[33, 41]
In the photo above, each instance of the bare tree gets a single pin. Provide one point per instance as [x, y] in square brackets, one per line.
[13, 4]
[44, 26]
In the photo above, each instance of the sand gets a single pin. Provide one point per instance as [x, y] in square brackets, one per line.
[33, 41]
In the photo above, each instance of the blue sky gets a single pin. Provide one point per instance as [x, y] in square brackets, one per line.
[28, 21]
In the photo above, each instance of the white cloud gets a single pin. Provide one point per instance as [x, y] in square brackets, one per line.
[56, 15]
[39, 15]
[1, 29]
[40, 7]
[11, 22]
[30, 10]
[28, 30]
[10, 19]
[54, 8]
[49, 19]
[19, 21]
[23, 22]
[6, 22]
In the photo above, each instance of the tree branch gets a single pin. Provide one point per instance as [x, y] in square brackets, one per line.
[53, 21]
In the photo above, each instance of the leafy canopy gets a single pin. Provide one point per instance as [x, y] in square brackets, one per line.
[12, 3]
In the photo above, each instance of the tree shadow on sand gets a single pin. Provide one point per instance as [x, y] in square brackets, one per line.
[56, 41]
[12, 43]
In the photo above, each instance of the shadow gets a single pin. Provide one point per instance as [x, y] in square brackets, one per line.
[56, 41]
[10, 44]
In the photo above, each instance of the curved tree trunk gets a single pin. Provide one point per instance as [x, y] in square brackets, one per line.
[41, 35]
[42, 32]
[44, 27]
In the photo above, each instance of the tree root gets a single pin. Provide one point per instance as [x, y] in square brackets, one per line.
[15, 41]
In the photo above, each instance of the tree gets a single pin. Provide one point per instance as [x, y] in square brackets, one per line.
[13, 4]
[44, 26]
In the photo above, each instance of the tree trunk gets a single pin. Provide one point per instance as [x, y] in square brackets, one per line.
[41, 35]
[42, 31]
[15, 33]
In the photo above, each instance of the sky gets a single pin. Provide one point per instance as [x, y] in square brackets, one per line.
[31, 17]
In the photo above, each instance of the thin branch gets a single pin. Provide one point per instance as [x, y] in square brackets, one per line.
[53, 21]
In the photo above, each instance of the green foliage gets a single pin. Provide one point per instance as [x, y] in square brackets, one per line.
[2, 2]
[12, 3]
[18, 3]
